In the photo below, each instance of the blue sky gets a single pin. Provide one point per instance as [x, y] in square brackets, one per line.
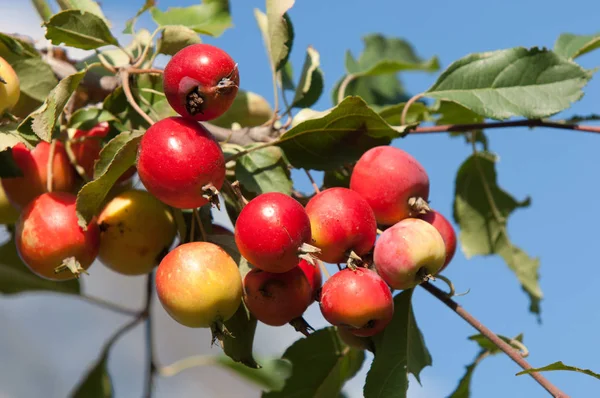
[558, 169]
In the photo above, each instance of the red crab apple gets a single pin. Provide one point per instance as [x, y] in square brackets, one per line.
[199, 285]
[86, 147]
[409, 253]
[394, 183]
[271, 230]
[314, 276]
[201, 81]
[445, 229]
[48, 233]
[180, 163]
[276, 299]
[341, 222]
[136, 231]
[34, 166]
[358, 300]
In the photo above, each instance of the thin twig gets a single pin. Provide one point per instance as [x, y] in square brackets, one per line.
[497, 341]
[108, 305]
[135, 71]
[492, 125]
[143, 55]
[312, 181]
[407, 106]
[130, 99]
[200, 226]
[151, 369]
[50, 167]
[249, 150]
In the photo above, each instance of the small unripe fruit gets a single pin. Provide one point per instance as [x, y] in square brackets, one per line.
[199, 285]
[34, 166]
[9, 87]
[408, 253]
[178, 160]
[445, 229]
[358, 300]
[201, 82]
[270, 230]
[48, 233]
[394, 183]
[341, 221]
[276, 299]
[314, 276]
[136, 230]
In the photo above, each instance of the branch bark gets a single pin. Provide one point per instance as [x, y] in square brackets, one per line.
[501, 344]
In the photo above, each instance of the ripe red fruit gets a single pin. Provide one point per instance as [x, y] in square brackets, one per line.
[34, 166]
[177, 161]
[394, 183]
[48, 233]
[270, 231]
[408, 253]
[86, 147]
[201, 82]
[358, 300]
[276, 299]
[199, 285]
[445, 229]
[341, 221]
[314, 276]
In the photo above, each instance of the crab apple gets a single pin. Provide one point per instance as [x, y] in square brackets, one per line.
[314, 276]
[341, 222]
[48, 232]
[86, 147]
[179, 161]
[10, 89]
[276, 299]
[445, 229]
[358, 300]
[394, 183]
[8, 213]
[34, 167]
[270, 230]
[408, 253]
[199, 285]
[201, 81]
[136, 229]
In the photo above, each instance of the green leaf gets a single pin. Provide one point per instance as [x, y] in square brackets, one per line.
[463, 390]
[264, 170]
[287, 76]
[86, 118]
[339, 177]
[482, 208]
[79, 29]
[560, 366]
[131, 22]
[97, 382]
[83, 5]
[381, 90]
[453, 113]
[340, 136]
[387, 55]
[15, 277]
[533, 83]
[322, 363]
[399, 350]
[13, 47]
[248, 110]
[270, 377]
[418, 112]
[572, 46]
[36, 78]
[487, 345]
[174, 38]
[310, 87]
[277, 31]
[210, 18]
[43, 121]
[115, 158]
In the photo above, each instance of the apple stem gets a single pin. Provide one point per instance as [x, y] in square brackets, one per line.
[130, 99]
[312, 182]
[302, 326]
[200, 226]
[235, 187]
[50, 168]
[514, 354]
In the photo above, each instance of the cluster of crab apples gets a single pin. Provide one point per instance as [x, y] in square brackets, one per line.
[285, 243]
